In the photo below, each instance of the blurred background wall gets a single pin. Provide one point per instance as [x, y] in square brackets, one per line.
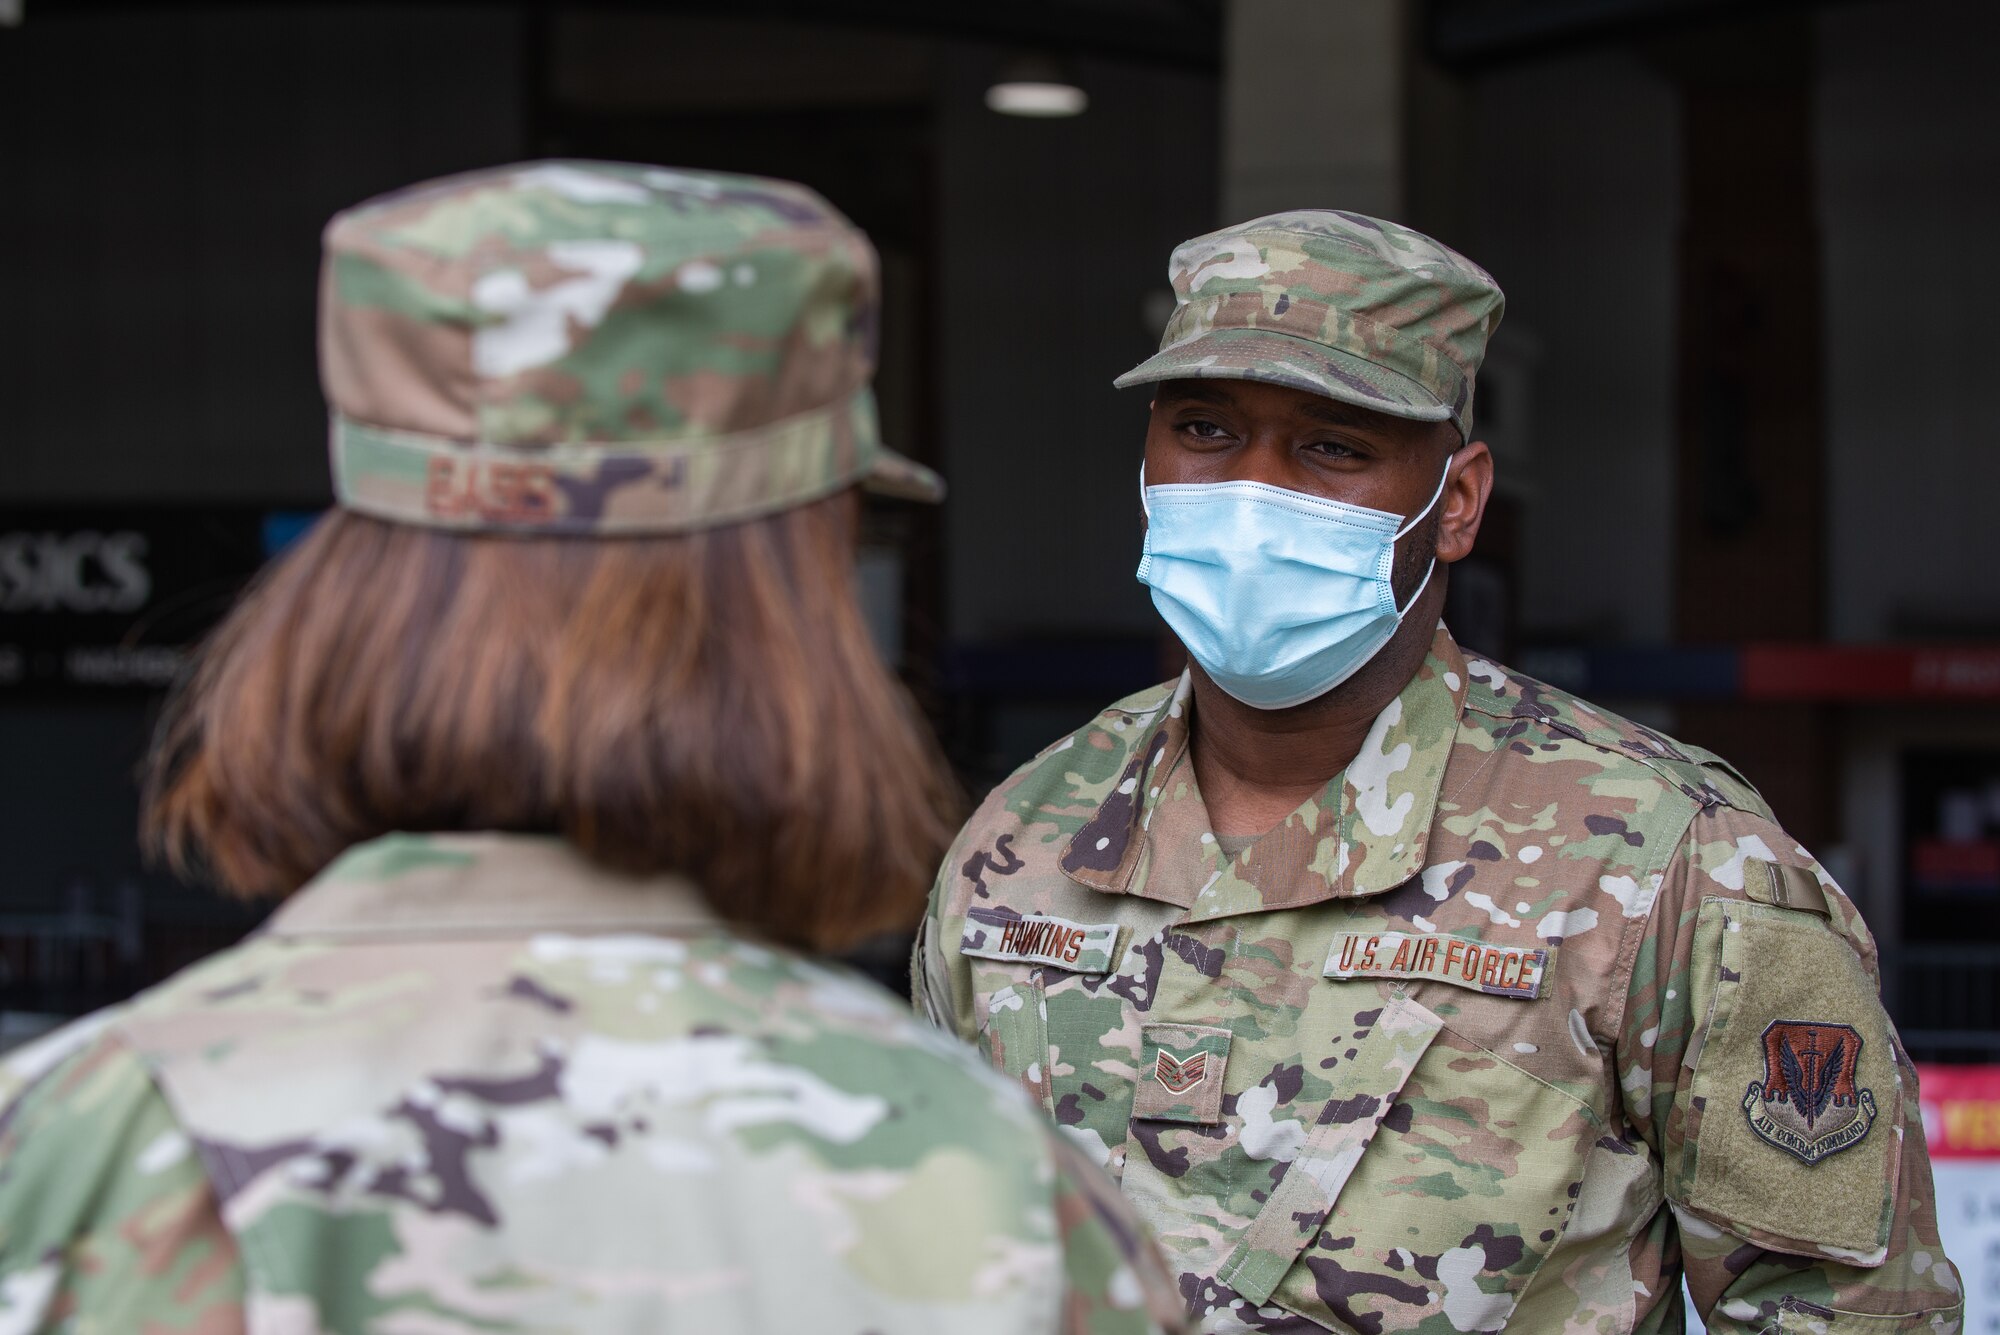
[1739, 401]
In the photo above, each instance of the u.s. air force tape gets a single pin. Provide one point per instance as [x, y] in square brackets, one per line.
[1502, 970]
[1041, 939]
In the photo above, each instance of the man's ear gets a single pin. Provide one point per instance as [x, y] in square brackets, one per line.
[1466, 489]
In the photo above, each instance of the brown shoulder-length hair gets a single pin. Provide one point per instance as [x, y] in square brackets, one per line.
[708, 703]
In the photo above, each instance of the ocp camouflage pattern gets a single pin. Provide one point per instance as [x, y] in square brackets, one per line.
[587, 347]
[1446, 1152]
[1355, 308]
[470, 1083]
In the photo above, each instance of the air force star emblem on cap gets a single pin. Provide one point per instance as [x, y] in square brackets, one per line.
[1807, 1103]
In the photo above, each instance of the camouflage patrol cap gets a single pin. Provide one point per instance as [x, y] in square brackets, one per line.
[586, 347]
[1360, 310]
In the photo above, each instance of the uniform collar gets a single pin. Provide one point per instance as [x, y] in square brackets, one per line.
[460, 885]
[1366, 832]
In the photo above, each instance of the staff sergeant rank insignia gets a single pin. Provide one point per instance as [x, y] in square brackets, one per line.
[1186, 1063]
[1180, 1075]
[1807, 1104]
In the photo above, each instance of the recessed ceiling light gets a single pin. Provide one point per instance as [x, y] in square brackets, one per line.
[1036, 86]
[1037, 99]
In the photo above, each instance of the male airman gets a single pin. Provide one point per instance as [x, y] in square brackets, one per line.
[1400, 991]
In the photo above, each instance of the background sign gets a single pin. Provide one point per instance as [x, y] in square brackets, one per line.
[109, 599]
[1962, 1127]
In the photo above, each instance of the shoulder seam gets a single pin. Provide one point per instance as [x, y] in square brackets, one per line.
[1702, 797]
[104, 1026]
[1098, 721]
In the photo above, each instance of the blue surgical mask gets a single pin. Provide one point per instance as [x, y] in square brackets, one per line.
[1280, 596]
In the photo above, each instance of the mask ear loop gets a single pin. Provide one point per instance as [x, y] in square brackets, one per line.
[1142, 490]
[1402, 532]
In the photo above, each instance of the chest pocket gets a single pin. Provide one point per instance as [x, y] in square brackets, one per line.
[1450, 1210]
[1012, 1016]
[1369, 1078]
[1012, 958]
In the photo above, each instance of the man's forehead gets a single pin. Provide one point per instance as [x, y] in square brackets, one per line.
[1300, 402]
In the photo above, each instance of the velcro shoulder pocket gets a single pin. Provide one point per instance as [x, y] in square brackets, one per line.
[1794, 1113]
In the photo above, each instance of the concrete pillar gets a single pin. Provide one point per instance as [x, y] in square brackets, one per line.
[1313, 107]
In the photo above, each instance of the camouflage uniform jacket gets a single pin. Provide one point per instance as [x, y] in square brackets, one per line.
[473, 1084]
[1527, 1011]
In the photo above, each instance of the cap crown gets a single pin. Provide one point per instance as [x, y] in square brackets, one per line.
[582, 301]
[1381, 297]
[586, 346]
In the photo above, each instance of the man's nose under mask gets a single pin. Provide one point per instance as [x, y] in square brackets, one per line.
[1280, 596]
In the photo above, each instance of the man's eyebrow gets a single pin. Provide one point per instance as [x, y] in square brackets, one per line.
[1323, 410]
[1333, 412]
[1198, 390]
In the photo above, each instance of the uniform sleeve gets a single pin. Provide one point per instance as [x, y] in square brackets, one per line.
[107, 1222]
[1757, 1062]
[930, 971]
[1115, 1280]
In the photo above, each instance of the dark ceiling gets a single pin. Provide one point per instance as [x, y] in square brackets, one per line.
[1184, 34]
[1467, 34]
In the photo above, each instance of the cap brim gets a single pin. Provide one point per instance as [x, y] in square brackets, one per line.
[1285, 359]
[904, 478]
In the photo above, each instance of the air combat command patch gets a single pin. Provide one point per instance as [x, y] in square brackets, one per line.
[1807, 1103]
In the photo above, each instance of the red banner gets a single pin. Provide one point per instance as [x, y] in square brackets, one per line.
[1961, 1110]
[1864, 672]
